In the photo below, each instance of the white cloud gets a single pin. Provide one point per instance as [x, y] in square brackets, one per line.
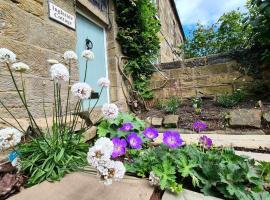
[205, 11]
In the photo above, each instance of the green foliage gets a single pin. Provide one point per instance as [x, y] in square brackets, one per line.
[138, 28]
[227, 34]
[260, 21]
[109, 128]
[227, 101]
[197, 104]
[51, 160]
[217, 172]
[170, 105]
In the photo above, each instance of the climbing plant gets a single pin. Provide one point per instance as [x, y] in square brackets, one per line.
[137, 36]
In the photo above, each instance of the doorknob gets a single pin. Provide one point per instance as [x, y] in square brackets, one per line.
[89, 44]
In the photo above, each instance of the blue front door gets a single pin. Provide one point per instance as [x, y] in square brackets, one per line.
[97, 67]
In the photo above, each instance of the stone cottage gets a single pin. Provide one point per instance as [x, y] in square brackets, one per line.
[38, 30]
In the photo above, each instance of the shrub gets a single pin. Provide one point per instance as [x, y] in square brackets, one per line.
[172, 104]
[227, 101]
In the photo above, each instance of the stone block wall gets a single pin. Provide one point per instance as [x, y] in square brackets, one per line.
[206, 77]
[26, 30]
[170, 34]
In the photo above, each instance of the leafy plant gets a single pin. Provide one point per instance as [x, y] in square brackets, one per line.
[52, 161]
[227, 101]
[217, 172]
[138, 37]
[110, 128]
[172, 104]
[197, 104]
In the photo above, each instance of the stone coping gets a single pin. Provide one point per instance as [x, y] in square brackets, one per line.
[82, 186]
[187, 195]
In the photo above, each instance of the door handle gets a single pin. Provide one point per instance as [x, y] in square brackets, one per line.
[89, 44]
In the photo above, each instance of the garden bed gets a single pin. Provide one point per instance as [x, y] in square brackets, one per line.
[212, 114]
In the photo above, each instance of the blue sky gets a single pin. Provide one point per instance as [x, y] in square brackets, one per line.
[205, 11]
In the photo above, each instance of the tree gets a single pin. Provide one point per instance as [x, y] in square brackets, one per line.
[229, 33]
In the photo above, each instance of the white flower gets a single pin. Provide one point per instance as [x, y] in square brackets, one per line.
[59, 72]
[103, 82]
[70, 55]
[9, 137]
[101, 152]
[52, 61]
[20, 67]
[110, 111]
[7, 56]
[16, 163]
[81, 90]
[88, 55]
[120, 170]
[153, 179]
[112, 170]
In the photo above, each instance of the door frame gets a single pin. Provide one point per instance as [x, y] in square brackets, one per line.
[80, 12]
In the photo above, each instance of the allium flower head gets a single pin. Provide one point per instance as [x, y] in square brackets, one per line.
[134, 140]
[88, 55]
[199, 126]
[111, 170]
[9, 137]
[172, 139]
[153, 179]
[126, 127]
[20, 67]
[81, 90]
[206, 142]
[101, 152]
[103, 82]
[119, 147]
[70, 55]
[59, 72]
[150, 133]
[7, 56]
[110, 111]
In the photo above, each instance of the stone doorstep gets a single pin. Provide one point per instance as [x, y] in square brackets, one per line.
[255, 156]
[187, 195]
[82, 186]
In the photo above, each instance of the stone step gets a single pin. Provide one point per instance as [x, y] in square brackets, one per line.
[245, 141]
[187, 195]
[255, 156]
[219, 132]
[82, 186]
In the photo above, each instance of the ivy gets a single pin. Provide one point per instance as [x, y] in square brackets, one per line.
[137, 36]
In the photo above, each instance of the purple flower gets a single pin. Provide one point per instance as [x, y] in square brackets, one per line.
[134, 141]
[199, 126]
[172, 139]
[206, 142]
[119, 147]
[126, 127]
[150, 133]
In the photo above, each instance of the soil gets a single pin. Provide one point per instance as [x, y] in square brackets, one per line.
[157, 194]
[211, 113]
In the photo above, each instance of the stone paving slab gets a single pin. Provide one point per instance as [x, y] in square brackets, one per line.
[187, 195]
[247, 141]
[82, 186]
[256, 156]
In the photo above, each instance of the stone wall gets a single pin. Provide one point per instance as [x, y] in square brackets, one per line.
[170, 34]
[206, 76]
[26, 30]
